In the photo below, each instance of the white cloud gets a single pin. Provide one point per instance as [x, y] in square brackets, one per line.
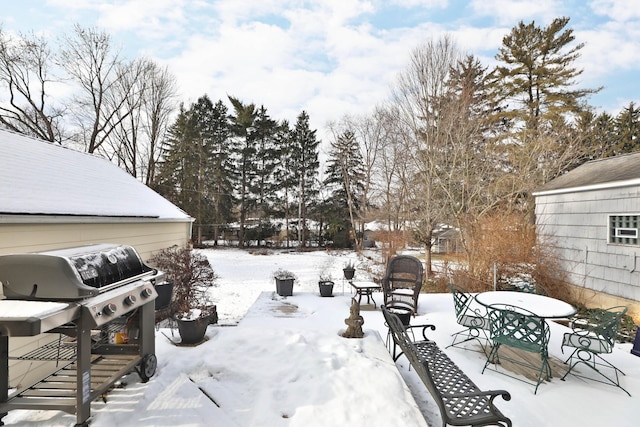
[329, 57]
[616, 10]
[510, 12]
[320, 62]
[421, 3]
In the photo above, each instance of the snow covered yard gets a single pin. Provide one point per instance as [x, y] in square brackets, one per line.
[274, 361]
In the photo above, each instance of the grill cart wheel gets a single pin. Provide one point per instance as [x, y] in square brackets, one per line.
[147, 367]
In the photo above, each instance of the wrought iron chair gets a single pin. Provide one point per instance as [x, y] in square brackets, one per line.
[521, 329]
[526, 284]
[596, 336]
[534, 288]
[402, 282]
[473, 319]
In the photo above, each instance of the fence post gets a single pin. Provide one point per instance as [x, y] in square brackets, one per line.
[495, 276]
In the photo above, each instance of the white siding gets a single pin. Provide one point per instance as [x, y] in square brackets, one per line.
[577, 225]
[145, 237]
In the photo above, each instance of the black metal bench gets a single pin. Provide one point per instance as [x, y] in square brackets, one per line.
[461, 402]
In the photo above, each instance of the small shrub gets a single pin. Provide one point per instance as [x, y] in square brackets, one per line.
[282, 274]
[192, 276]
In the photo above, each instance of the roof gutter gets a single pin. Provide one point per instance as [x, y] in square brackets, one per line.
[594, 187]
[7, 218]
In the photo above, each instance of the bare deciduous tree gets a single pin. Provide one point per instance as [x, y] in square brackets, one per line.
[109, 89]
[135, 139]
[25, 73]
[159, 102]
[417, 97]
[389, 174]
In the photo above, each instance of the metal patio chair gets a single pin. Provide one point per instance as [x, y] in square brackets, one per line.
[402, 282]
[523, 330]
[473, 319]
[592, 338]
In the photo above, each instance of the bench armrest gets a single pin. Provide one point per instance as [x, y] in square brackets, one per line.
[493, 393]
[424, 329]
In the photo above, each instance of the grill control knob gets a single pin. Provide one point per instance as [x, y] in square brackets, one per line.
[109, 309]
[146, 292]
[130, 300]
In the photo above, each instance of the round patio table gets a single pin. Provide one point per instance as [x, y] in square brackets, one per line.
[540, 305]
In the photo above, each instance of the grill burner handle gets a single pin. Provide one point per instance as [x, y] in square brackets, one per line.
[109, 309]
[146, 292]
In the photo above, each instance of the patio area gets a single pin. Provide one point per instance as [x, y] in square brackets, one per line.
[285, 364]
[574, 401]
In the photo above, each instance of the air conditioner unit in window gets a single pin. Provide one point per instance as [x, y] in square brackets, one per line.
[629, 233]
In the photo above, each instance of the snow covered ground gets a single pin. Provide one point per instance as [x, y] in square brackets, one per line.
[274, 361]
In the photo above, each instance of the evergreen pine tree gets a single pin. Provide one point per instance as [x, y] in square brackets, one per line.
[284, 176]
[535, 87]
[305, 164]
[627, 125]
[180, 173]
[267, 159]
[344, 176]
[222, 174]
[243, 127]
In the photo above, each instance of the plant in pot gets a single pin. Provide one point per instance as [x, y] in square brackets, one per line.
[325, 284]
[191, 307]
[284, 282]
[349, 270]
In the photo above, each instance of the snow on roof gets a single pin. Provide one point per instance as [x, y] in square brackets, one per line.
[40, 178]
[602, 173]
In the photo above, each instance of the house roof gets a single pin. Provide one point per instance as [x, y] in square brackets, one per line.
[610, 172]
[40, 178]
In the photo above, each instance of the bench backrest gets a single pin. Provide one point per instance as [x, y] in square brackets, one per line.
[518, 327]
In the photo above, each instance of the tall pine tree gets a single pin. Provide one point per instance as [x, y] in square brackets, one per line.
[266, 155]
[243, 127]
[627, 125]
[222, 174]
[182, 176]
[345, 175]
[305, 164]
[536, 90]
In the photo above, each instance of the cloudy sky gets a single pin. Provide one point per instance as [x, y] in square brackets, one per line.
[333, 57]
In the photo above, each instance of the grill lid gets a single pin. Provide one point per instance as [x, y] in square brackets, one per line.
[69, 274]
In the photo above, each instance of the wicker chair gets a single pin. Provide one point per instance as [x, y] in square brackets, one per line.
[592, 338]
[402, 283]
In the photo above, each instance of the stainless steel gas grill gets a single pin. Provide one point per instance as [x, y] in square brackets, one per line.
[95, 305]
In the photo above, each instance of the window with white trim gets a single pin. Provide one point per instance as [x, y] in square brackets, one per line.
[623, 229]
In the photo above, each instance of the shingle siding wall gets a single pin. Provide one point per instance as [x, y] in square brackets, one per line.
[146, 238]
[577, 225]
